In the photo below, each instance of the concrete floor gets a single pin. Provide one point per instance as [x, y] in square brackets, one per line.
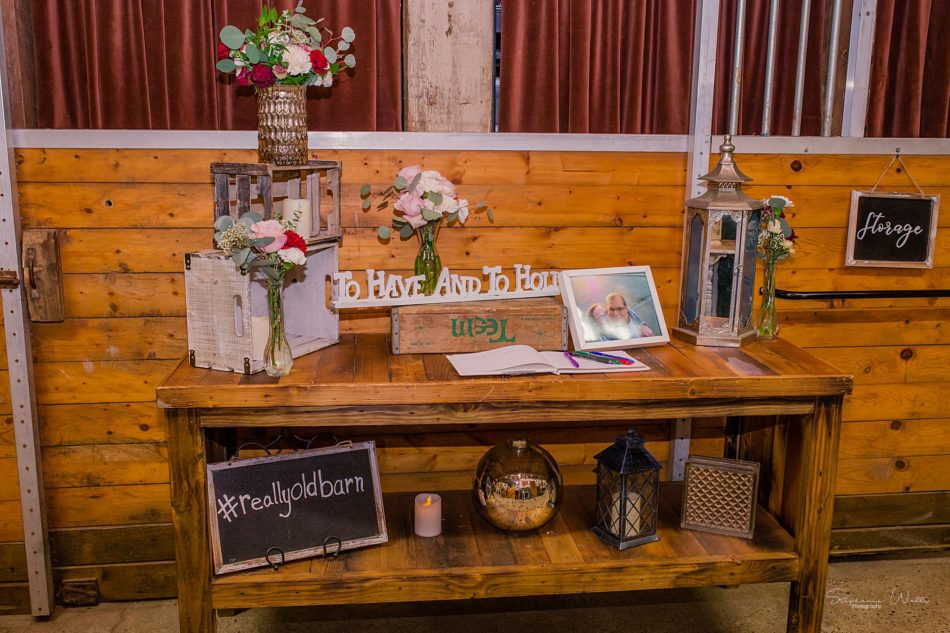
[863, 595]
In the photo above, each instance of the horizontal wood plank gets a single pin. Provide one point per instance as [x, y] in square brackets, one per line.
[895, 438]
[131, 581]
[108, 505]
[902, 401]
[105, 465]
[100, 381]
[110, 545]
[869, 511]
[132, 338]
[116, 423]
[924, 473]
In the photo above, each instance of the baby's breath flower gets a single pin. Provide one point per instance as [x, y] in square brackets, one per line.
[234, 239]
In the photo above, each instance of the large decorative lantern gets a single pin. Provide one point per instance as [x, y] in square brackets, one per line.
[718, 277]
[628, 493]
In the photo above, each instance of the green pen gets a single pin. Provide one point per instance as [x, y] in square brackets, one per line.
[599, 359]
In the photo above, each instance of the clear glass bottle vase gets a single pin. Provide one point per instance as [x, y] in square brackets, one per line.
[428, 262]
[766, 322]
[278, 358]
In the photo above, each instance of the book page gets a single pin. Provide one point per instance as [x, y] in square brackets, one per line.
[514, 360]
[588, 366]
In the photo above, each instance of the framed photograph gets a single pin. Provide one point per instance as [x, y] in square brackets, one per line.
[892, 230]
[613, 308]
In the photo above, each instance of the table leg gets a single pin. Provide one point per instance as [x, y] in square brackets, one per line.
[186, 459]
[819, 464]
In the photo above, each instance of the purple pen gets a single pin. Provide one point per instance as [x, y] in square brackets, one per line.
[573, 361]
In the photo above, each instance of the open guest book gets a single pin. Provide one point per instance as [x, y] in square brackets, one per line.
[517, 360]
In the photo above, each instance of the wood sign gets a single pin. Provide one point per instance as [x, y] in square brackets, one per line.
[388, 289]
[270, 510]
[892, 230]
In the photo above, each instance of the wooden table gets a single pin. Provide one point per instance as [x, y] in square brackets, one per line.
[769, 386]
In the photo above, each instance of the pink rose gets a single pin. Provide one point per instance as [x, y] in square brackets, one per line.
[410, 204]
[270, 228]
[416, 221]
[410, 172]
[262, 76]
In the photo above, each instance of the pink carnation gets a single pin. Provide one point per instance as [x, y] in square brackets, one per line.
[270, 228]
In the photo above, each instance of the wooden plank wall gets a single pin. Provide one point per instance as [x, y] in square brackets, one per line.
[128, 216]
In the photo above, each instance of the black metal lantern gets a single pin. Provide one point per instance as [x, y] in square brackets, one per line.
[628, 492]
[718, 276]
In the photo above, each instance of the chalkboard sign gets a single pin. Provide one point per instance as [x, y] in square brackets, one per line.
[893, 230]
[306, 503]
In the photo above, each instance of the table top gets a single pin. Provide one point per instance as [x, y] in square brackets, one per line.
[361, 371]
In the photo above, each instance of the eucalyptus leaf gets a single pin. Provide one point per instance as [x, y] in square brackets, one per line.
[240, 256]
[399, 221]
[491, 216]
[350, 60]
[452, 216]
[315, 34]
[365, 190]
[383, 204]
[415, 181]
[232, 37]
[399, 183]
[387, 191]
[481, 204]
[384, 232]
[435, 197]
[343, 46]
[348, 34]
[261, 242]
[330, 54]
[366, 204]
[406, 231]
[776, 203]
[270, 272]
[225, 65]
[786, 229]
[253, 53]
[430, 215]
[253, 216]
[223, 223]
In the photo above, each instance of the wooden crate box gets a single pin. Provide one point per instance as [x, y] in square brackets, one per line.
[262, 187]
[479, 325]
[227, 310]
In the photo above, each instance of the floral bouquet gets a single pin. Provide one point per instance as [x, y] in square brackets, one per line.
[274, 247]
[423, 200]
[776, 242]
[777, 238]
[288, 49]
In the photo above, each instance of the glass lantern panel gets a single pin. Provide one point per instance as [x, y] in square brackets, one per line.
[608, 500]
[694, 253]
[722, 260]
[640, 504]
[748, 271]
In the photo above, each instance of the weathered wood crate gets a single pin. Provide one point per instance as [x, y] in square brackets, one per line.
[227, 310]
[262, 187]
[479, 325]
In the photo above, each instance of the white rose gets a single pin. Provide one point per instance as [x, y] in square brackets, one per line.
[317, 80]
[292, 256]
[429, 181]
[297, 60]
[775, 227]
[328, 79]
[449, 205]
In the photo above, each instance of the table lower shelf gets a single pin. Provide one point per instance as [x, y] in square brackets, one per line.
[472, 559]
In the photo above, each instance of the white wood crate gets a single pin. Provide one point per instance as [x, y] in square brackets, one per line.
[221, 303]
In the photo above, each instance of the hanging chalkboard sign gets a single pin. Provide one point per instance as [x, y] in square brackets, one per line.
[893, 230]
[281, 508]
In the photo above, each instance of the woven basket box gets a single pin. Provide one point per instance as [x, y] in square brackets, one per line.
[225, 308]
[719, 495]
[477, 326]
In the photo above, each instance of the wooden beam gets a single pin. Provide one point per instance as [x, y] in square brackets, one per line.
[16, 16]
[447, 73]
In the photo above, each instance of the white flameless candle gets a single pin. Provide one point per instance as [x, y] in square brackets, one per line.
[428, 514]
[303, 224]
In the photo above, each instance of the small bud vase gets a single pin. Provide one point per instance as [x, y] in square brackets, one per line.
[278, 357]
[282, 125]
[428, 262]
[766, 322]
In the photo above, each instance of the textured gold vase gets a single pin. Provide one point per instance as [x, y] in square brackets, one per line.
[282, 125]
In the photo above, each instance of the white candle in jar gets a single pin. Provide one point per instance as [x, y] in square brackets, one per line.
[428, 514]
[291, 207]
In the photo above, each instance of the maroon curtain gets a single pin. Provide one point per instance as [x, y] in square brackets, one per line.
[909, 95]
[753, 67]
[596, 66]
[147, 64]
[617, 66]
